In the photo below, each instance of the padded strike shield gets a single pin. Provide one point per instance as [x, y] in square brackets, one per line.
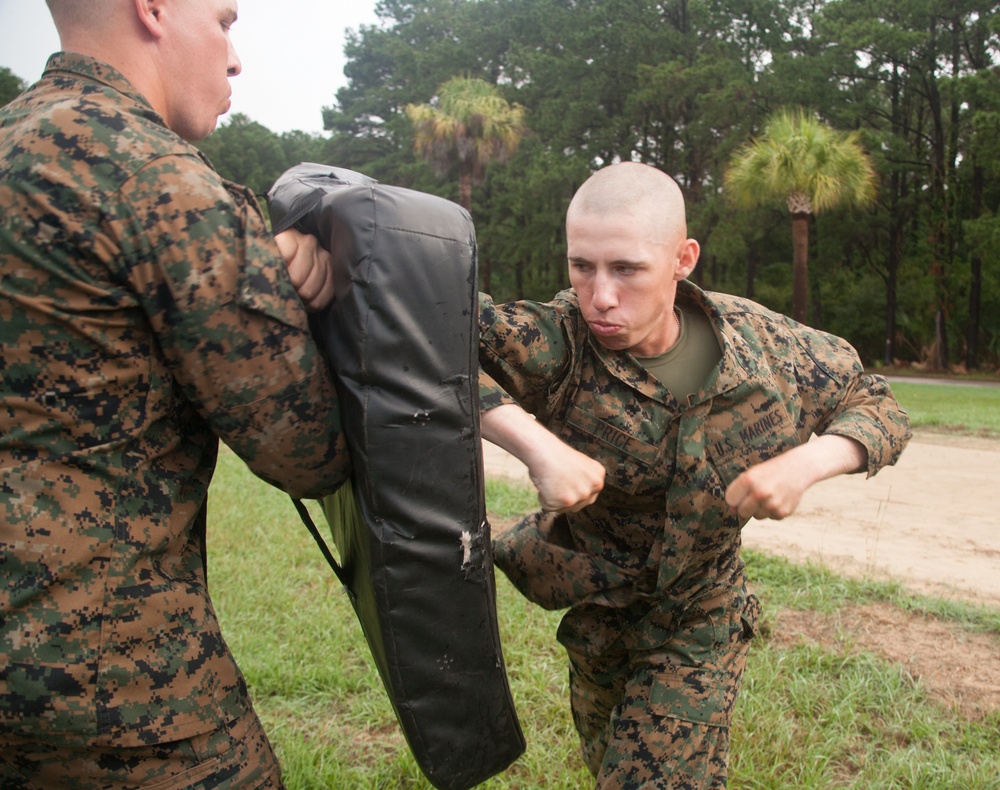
[410, 526]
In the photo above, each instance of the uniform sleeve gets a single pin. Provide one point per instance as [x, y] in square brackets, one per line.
[523, 347]
[229, 323]
[491, 394]
[864, 408]
[871, 415]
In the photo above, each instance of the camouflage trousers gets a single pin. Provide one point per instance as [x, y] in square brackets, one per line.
[653, 698]
[237, 756]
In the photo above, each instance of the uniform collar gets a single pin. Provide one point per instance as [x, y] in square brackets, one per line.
[739, 362]
[88, 68]
[620, 364]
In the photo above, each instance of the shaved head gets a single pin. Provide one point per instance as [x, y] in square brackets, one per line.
[94, 27]
[73, 14]
[641, 192]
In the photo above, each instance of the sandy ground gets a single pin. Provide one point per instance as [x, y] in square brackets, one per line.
[931, 522]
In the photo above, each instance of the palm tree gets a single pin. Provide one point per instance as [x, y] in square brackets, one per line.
[469, 125]
[813, 168]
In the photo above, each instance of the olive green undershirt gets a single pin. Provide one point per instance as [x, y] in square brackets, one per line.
[686, 366]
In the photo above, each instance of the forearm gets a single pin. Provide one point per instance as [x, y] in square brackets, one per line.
[828, 456]
[566, 479]
[517, 432]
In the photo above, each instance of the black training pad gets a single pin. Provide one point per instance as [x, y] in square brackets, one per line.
[411, 528]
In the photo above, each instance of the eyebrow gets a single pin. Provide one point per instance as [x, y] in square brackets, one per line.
[616, 262]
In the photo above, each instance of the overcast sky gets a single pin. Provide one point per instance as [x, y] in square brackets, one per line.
[292, 53]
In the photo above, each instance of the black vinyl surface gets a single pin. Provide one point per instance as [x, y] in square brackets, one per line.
[410, 526]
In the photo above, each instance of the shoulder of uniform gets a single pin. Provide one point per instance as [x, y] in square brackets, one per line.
[724, 305]
[566, 302]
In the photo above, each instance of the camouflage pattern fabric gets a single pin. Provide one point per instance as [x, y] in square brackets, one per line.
[655, 713]
[144, 311]
[237, 756]
[639, 564]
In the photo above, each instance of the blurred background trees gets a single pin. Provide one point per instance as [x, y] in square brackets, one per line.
[10, 85]
[684, 85]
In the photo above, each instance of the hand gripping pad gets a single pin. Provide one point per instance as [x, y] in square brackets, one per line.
[411, 529]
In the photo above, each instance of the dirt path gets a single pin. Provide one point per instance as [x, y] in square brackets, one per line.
[931, 522]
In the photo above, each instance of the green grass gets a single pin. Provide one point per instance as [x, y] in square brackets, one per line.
[812, 717]
[968, 409]
[808, 717]
[314, 684]
[507, 499]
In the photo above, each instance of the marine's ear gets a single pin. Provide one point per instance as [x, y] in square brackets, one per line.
[687, 258]
[149, 14]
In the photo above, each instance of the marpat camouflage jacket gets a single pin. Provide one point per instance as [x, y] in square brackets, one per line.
[144, 311]
[660, 530]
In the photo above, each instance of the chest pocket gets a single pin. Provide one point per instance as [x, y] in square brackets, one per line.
[626, 460]
[747, 428]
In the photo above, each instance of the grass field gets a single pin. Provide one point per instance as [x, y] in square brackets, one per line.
[966, 408]
[807, 718]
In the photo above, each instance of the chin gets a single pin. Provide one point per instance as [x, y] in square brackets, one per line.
[613, 343]
[194, 135]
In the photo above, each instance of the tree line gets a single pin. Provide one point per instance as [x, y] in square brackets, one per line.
[685, 85]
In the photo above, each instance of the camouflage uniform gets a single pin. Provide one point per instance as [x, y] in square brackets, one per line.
[660, 621]
[144, 311]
